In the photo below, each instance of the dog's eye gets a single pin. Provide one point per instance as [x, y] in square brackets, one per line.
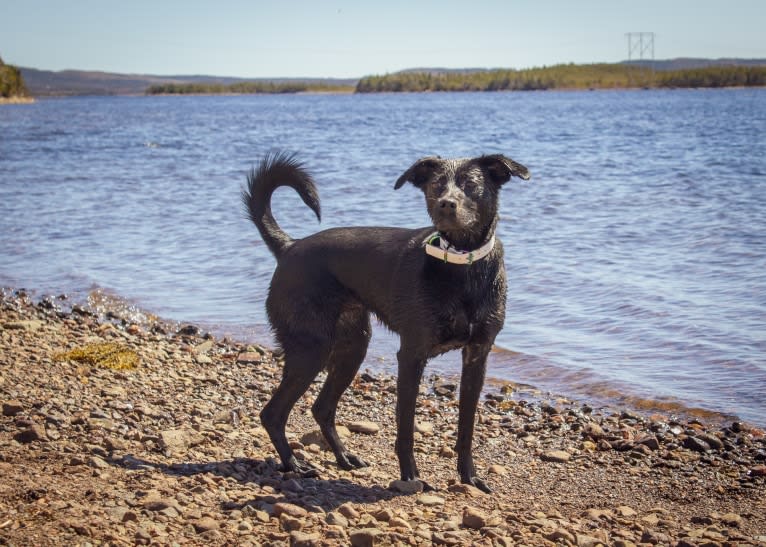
[440, 184]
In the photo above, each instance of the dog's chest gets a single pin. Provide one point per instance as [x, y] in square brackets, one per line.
[461, 321]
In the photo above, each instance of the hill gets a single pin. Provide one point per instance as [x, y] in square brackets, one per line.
[572, 76]
[46, 83]
[42, 83]
[690, 63]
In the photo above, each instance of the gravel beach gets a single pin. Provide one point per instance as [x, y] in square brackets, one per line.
[114, 433]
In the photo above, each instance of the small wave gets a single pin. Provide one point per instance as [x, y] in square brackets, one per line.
[538, 377]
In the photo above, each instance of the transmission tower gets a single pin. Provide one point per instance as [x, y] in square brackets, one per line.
[640, 45]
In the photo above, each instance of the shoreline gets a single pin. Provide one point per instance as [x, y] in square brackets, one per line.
[109, 306]
[172, 451]
[17, 100]
[353, 92]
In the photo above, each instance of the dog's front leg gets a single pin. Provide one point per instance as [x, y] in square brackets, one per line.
[407, 384]
[471, 382]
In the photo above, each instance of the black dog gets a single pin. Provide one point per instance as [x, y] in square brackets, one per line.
[440, 288]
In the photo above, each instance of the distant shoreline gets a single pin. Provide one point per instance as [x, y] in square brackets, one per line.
[695, 73]
[17, 100]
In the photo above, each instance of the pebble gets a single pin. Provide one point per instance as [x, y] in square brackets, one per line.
[173, 451]
[249, 358]
[365, 537]
[302, 539]
[12, 408]
[283, 508]
[406, 487]
[364, 427]
[696, 444]
[31, 434]
[424, 428]
[206, 524]
[556, 456]
[430, 500]
[474, 518]
[335, 518]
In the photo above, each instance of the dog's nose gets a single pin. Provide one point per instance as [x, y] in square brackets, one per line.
[447, 204]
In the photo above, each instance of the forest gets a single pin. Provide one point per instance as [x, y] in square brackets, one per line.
[569, 76]
[565, 76]
[11, 82]
[244, 88]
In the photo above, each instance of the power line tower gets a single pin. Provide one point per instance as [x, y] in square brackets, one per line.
[640, 45]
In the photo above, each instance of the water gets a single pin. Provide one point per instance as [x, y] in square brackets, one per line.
[636, 256]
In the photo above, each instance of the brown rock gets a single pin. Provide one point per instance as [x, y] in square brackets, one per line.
[430, 500]
[593, 430]
[398, 522]
[284, 508]
[474, 518]
[731, 519]
[560, 534]
[348, 511]
[556, 456]
[366, 537]
[290, 524]
[205, 524]
[12, 408]
[301, 539]
[383, 515]
[178, 441]
[249, 358]
[32, 433]
[406, 487]
[365, 427]
[335, 518]
[424, 428]
[626, 511]
[583, 540]
[447, 452]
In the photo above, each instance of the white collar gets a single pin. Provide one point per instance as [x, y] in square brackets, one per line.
[437, 246]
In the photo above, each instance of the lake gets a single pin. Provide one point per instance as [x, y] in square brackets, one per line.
[636, 255]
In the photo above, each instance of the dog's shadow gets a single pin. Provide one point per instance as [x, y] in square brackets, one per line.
[310, 493]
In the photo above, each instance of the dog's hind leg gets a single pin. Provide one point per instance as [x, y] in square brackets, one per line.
[352, 335]
[302, 364]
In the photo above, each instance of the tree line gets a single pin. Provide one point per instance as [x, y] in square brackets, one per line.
[571, 76]
[11, 82]
[243, 88]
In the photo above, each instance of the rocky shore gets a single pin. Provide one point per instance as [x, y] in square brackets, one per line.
[159, 443]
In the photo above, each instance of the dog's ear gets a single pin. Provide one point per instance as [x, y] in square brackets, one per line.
[420, 172]
[501, 169]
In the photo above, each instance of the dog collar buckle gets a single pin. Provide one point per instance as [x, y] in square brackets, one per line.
[437, 246]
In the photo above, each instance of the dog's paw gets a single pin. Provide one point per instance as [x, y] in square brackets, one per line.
[427, 487]
[299, 467]
[478, 483]
[350, 461]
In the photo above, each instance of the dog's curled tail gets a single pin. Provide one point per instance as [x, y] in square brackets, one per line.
[275, 170]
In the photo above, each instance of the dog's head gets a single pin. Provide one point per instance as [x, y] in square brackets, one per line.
[462, 194]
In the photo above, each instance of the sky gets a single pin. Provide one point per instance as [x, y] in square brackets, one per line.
[355, 38]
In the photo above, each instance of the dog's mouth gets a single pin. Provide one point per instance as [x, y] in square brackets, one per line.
[448, 220]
